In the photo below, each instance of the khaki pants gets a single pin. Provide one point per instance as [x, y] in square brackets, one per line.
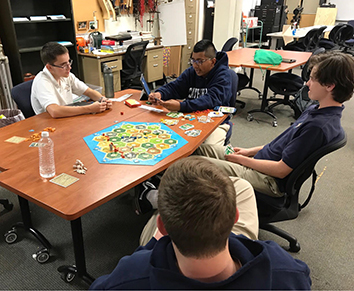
[247, 223]
[260, 182]
[218, 136]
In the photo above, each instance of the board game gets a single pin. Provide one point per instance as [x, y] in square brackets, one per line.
[134, 143]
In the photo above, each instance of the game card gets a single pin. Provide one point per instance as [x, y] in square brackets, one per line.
[229, 150]
[170, 122]
[193, 132]
[34, 145]
[64, 180]
[186, 126]
[174, 114]
[16, 139]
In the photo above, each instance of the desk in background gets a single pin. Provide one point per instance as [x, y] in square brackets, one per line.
[244, 57]
[102, 182]
[299, 33]
[90, 66]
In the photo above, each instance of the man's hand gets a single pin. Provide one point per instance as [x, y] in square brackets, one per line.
[172, 105]
[97, 107]
[154, 98]
[107, 101]
[235, 158]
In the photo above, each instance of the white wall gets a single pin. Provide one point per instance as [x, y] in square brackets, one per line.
[227, 20]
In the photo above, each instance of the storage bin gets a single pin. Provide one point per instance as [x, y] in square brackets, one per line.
[12, 116]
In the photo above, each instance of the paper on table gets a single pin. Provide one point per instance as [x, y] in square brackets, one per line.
[17, 19]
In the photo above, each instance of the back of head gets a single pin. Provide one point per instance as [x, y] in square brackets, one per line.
[336, 68]
[197, 204]
[205, 46]
[50, 51]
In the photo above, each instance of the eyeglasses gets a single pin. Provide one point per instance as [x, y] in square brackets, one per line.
[66, 66]
[198, 62]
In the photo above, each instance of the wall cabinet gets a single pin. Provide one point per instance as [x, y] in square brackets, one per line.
[23, 40]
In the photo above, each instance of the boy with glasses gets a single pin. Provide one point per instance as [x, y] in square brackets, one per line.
[204, 85]
[53, 87]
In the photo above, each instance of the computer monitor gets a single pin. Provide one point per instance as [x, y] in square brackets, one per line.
[146, 91]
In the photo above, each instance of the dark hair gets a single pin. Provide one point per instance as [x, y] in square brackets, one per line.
[197, 204]
[205, 46]
[335, 68]
[50, 51]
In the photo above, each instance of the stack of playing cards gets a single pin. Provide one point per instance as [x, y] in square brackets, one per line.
[186, 126]
[173, 114]
[193, 132]
[170, 122]
[229, 150]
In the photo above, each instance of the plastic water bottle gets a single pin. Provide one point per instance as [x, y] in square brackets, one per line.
[46, 156]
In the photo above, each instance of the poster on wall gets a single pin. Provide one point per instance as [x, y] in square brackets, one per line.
[173, 23]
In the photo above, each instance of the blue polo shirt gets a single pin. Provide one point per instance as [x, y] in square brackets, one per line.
[314, 129]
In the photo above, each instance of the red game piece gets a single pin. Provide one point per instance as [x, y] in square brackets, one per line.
[121, 113]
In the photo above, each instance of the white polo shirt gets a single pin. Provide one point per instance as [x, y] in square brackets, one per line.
[46, 90]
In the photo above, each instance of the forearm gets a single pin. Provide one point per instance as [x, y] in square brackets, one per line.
[253, 151]
[57, 111]
[93, 94]
[277, 169]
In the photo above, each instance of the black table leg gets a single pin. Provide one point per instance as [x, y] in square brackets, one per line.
[69, 272]
[264, 103]
[11, 236]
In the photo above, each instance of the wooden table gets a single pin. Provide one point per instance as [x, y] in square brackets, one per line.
[244, 57]
[101, 183]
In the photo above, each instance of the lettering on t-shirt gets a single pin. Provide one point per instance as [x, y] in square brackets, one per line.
[195, 93]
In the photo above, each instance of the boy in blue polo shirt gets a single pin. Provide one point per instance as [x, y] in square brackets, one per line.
[267, 167]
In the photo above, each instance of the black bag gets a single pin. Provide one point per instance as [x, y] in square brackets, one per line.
[302, 101]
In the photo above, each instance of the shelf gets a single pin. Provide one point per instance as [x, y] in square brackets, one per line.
[42, 21]
[36, 49]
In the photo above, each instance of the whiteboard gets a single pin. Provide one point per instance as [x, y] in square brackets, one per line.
[345, 9]
[173, 23]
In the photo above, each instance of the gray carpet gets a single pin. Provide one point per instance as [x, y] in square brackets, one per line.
[324, 228]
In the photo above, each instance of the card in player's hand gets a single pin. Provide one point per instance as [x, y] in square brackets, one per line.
[229, 150]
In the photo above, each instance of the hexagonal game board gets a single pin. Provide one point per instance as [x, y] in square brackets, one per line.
[134, 143]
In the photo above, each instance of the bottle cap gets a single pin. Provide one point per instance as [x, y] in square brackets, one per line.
[45, 134]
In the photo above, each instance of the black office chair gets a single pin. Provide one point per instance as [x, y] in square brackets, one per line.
[229, 44]
[132, 65]
[329, 43]
[7, 204]
[308, 43]
[21, 94]
[234, 86]
[271, 209]
[288, 84]
[344, 34]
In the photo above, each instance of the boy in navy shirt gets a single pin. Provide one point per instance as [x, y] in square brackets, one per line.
[267, 167]
[204, 85]
[193, 248]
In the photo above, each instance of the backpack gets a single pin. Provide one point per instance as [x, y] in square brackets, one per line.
[302, 101]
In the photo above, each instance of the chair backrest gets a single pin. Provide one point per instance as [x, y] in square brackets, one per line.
[133, 59]
[21, 94]
[333, 32]
[344, 33]
[305, 74]
[310, 38]
[229, 44]
[287, 207]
